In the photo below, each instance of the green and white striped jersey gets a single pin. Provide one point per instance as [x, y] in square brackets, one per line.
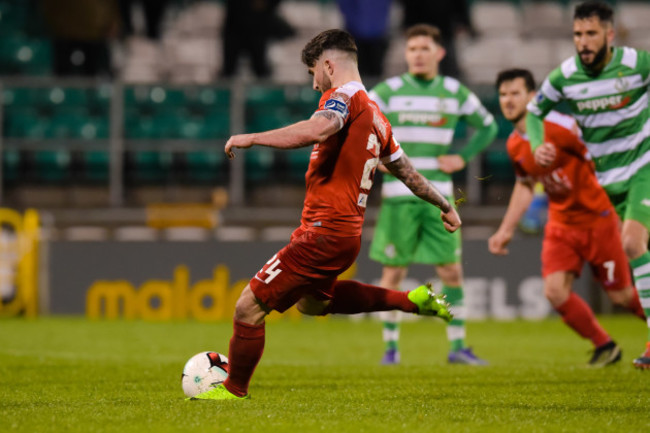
[424, 115]
[611, 109]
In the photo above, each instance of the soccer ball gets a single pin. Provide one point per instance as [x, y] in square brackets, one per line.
[203, 371]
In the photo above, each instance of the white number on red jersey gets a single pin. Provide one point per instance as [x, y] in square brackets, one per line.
[272, 271]
[372, 163]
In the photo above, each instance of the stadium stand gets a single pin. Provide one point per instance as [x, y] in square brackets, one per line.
[176, 113]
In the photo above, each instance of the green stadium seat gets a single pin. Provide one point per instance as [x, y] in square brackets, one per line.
[10, 165]
[52, 165]
[298, 161]
[207, 97]
[217, 124]
[258, 164]
[149, 166]
[206, 166]
[96, 165]
[497, 165]
[260, 119]
[505, 126]
[25, 56]
[270, 96]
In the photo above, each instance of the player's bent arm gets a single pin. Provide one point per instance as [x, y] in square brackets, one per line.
[402, 169]
[305, 133]
[520, 199]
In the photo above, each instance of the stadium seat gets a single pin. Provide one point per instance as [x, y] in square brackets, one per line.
[497, 165]
[25, 56]
[51, 165]
[148, 166]
[96, 165]
[11, 165]
[505, 126]
[298, 161]
[206, 166]
[258, 164]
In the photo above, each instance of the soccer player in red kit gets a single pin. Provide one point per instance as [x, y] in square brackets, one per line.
[582, 224]
[350, 137]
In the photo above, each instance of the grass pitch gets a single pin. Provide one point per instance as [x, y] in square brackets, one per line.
[73, 375]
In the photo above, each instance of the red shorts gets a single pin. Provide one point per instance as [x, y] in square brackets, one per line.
[567, 248]
[309, 265]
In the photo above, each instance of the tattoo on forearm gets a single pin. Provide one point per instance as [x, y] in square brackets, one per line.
[421, 187]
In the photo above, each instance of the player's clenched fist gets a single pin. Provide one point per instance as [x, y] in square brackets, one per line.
[545, 154]
[498, 242]
[451, 220]
[241, 141]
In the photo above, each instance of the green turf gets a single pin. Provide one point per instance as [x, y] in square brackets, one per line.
[73, 375]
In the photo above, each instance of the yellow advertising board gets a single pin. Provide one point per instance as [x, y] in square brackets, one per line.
[19, 244]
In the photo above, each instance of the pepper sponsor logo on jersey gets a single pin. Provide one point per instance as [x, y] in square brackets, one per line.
[420, 118]
[614, 102]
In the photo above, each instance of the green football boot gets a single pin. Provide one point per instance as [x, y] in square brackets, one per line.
[430, 304]
[219, 392]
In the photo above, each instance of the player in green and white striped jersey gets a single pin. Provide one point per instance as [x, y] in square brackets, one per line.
[606, 88]
[424, 108]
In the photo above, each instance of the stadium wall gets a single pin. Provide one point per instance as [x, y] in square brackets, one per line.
[201, 280]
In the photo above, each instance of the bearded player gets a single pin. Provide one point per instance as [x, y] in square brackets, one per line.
[606, 88]
[582, 224]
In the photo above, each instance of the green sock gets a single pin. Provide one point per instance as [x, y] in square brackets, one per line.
[455, 328]
[391, 335]
[641, 270]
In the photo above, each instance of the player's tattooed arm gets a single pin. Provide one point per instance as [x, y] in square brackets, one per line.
[418, 184]
[334, 119]
[300, 134]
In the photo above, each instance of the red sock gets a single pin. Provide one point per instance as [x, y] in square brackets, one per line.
[576, 313]
[351, 297]
[635, 306]
[246, 348]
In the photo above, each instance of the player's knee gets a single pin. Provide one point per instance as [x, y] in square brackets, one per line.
[311, 307]
[623, 297]
[556, 295]
[248, 308]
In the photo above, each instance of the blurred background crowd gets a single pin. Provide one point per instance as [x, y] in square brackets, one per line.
[112, 105]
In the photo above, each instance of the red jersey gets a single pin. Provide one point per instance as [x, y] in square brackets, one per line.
[342, 168]
[575, 196]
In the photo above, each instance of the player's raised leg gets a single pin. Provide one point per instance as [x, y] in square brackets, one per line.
[353, 297]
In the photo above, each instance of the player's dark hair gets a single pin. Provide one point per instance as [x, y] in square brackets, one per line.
[334, 39]
[511, 74]
[590, 9]
[424, 30]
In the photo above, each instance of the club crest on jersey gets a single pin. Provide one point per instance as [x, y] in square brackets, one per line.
[337, 106]
[621, 84]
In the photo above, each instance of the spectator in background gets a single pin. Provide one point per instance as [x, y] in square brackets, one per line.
[81, 30]
[247, 30]
[449, 17]
[367, 22]
[153, 10]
